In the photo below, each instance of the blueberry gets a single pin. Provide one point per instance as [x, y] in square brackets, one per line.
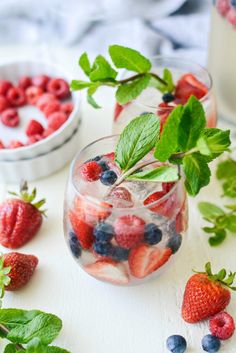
[120, 254]
[103, 232]
[174, 242]
[176, 344]
[144, 113]
[152, 234]
[233, 3]
[96, 159]
[104, 166]
[210, 344]
[75, 245]
[168, 97]
[108, 177]
[103, 248]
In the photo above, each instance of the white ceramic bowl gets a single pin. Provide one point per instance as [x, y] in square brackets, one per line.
[41, 166]
[15, 70]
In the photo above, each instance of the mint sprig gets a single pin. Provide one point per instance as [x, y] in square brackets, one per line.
[102, 73]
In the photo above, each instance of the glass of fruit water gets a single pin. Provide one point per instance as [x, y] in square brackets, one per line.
[189, 79]
[122, 234]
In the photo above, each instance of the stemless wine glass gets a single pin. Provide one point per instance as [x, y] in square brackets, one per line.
[190, 78]
[119, 234]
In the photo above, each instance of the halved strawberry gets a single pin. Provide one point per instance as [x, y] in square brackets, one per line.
[188, 86]
[163, 112]
[118, 110]
[143, 260]
[181, 222]
[92, 213]
[109, 271]
[83, 230]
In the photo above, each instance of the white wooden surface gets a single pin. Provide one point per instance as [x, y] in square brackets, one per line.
[99, 317]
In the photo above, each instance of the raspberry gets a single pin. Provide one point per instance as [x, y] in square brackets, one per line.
[16, 96]
[40, 81]
[56, 120]
[44, 100]
[24, 82]
[67, 108]
[1, 145]
[34, 128]
[4, 104]
[59, 87]
[223, 6]
[90, 171]
[129, 231]
[15, 144]
[222, 326]
[47, 132]
[32, 94]
[10, 117]
[4, 86]
[34, 138]
[231, 16]
[51, 107]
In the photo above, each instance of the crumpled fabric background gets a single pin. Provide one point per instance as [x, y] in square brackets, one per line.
[153, 26]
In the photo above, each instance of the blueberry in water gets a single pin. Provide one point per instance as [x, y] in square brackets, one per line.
[75, 245]
[104, 166]
[108, 177]
[210, 344]
[96, 159]
[103, 232]
[233, 3]
[144, 113]
[176, 344]
[120, 254]
[168, 97]
[152, 234]
[103, 248]
[174, 242]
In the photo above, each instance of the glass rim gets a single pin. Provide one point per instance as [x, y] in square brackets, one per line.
[183, 60]
[97, 202]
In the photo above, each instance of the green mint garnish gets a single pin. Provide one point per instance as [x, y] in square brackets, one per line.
[102, 73]
[162, 174]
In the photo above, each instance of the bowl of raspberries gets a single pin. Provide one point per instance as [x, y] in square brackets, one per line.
[38, 113]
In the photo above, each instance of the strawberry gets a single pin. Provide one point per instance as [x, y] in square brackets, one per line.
[166, 207]
[121, 197]
[206, 294]
[20, 218]
[181, 222]
[143, 260]
[22, 268]
[109, 271]
[129, 230]
[90, 212]
[163, 111]
[83, 230]
[118, 110]
[188, 86]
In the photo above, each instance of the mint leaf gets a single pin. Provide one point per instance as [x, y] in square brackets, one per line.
[226, 169]
[167, 77]
[213, 141]
[85, 64]
[130, 59]
[11, 348]
[160, 174]
[231, 224]
[129, 91]
[219, 237]
[54, 349]
[12, 318]
[92, 102]
[197, 173]
[44, 326]
[191, 125]
[137, 139]
[229, 187]
[102, 70]
[77, 85]
[35, 346]
[168, 143]
[231, 207]
[209, 210]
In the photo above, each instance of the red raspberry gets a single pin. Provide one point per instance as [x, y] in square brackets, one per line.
[51, 107]
[56, 120]
[24, 82]
[34, 138]
[59, 87]
[91, 171]
[16, 96]
[47, 132]
[129, 231]
[231, 16]
[223, 6]
[40, 81]
[10, 117]
[121, 197]
[222, 326]
[34, 128]
[15, 144]
[4, 86]
[1, 145]
[4, 104]
[67, 108]
[32, 94]
[45, 99]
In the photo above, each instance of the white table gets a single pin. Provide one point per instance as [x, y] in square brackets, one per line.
[101, 318]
